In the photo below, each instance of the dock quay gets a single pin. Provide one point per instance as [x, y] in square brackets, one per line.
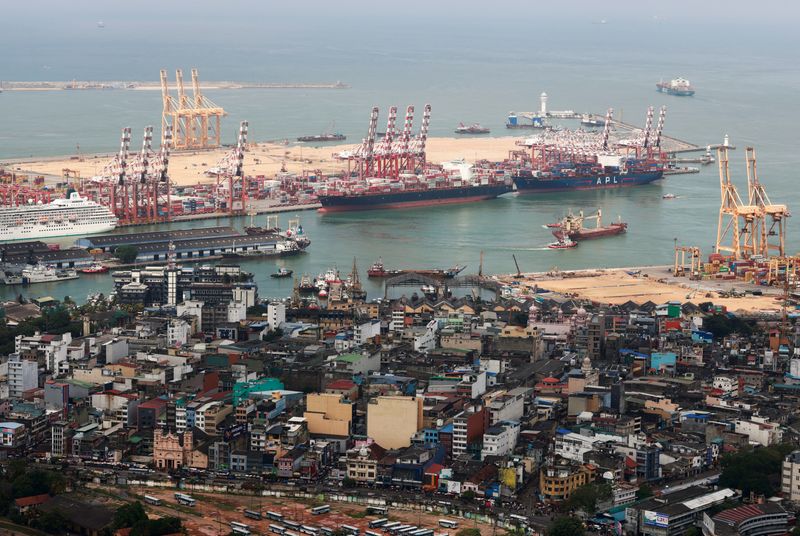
[107, 242]
[37, 252]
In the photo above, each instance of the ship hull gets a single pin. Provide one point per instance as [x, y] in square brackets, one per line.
[36, 232]
[467, 194]
[530, 184]
[676, 92]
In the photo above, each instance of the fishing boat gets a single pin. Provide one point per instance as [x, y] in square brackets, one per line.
[95, 269]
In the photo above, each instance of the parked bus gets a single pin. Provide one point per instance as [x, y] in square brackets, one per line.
[448, 523]
[321, 509]
[377, 510]
[290, 533]
[311, 531]
[239, 528]
[277, 529]
[407, 530]
[422, 532]
[184, 499]
[397, 529]
[389, 526]
[155, 501]
[291, 524]
[370, 533]
[326, 531]
[252, 514]
[378, 522]
[521, 520]
[275, 516]
[350, 530]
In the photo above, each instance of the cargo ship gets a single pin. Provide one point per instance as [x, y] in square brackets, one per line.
[323, 137]
[679, 87]
[378, 270]
[604, 171]
[573, 230]
[456, 183]
[475, 128]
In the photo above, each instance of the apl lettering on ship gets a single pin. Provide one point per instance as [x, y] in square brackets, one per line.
[581, 160]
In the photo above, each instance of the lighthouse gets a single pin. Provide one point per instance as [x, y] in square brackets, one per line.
[543, 106]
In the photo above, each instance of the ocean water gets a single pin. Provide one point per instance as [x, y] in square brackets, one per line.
[471, 66]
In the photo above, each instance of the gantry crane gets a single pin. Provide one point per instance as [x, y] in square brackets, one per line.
[231, 166]
[695, 261]
[195, 121]
[737, 221]
[770, 231]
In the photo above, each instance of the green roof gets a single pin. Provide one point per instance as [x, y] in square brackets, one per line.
[349, 358]
[135, 439]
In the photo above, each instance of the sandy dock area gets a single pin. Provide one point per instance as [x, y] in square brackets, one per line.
[188, 167]
[616, 286]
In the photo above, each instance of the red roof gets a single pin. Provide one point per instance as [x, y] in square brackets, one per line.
[341, 385]
[434, 469]
[32, 500]
[156, 403]
[550, 379]
[630, 462]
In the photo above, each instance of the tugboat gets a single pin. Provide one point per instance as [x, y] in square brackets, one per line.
[379, 270]
[283, 272]
[475, 128]
[588, 120]
[95, 269]
[563, 243]
[669, 196]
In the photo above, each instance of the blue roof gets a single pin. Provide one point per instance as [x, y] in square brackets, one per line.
[563, 431]
[447, 428]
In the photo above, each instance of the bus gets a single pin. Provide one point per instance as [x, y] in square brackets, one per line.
[274, 516]
[370, 533]
[326, 531]
[155, 501]
[239, 528]
[291, 524]
[407, 530]
[389, 526]
[448, 523]
[252, 514]
[321, 509]
[350, 530]
[520, 520]
[422, 532]
[184, 499]
[397, 529]
[311, 531]
[377, 510]
[277, 529]
[290, 533]
[378, 522]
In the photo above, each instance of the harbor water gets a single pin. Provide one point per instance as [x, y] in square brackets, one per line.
[746, 88]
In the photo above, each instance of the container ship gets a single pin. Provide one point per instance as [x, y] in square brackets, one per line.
[62, 217]
[607, 171]
[679, 87]
[323, 137]
[458, 183]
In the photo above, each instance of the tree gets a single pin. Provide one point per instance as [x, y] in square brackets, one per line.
[468, 495]
[753, 470]
[126, 254]
[468, 532]
[129, 515]
[348, 483]
[644, 492]
[51, 522]
[693, 531]
[157, 527]
[566, 526]
[586, 497]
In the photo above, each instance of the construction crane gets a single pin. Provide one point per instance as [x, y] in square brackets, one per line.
[518, 275]
[195, 121]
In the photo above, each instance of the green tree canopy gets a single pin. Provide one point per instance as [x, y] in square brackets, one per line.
[754, 470]
[126, 254]
[566, 526]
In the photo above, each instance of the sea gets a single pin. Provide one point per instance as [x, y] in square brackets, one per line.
[470, 68]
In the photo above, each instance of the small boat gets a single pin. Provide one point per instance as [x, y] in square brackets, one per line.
[95, 269]
[306, 284]
[556, 225]
[669, 196]
[564, 243]
[283, 272]
[475, 128]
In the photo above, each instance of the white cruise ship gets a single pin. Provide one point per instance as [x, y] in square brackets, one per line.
[62, 217]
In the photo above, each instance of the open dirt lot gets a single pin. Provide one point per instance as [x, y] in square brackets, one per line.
[266, 159]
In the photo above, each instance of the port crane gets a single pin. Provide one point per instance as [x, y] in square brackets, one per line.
[195, 120]
[769, 235]
[231, 167]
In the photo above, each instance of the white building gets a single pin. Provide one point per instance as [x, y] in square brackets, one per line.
[726, 384]
[573, 446]
[23, 374]
[398, 321]
[53, 347]
[276, 315]
[245, 295]
[191, 308]
[367, 331]
[500, 439]
[758, 430]
[507, 406]
[790, 477]
[178, 332]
